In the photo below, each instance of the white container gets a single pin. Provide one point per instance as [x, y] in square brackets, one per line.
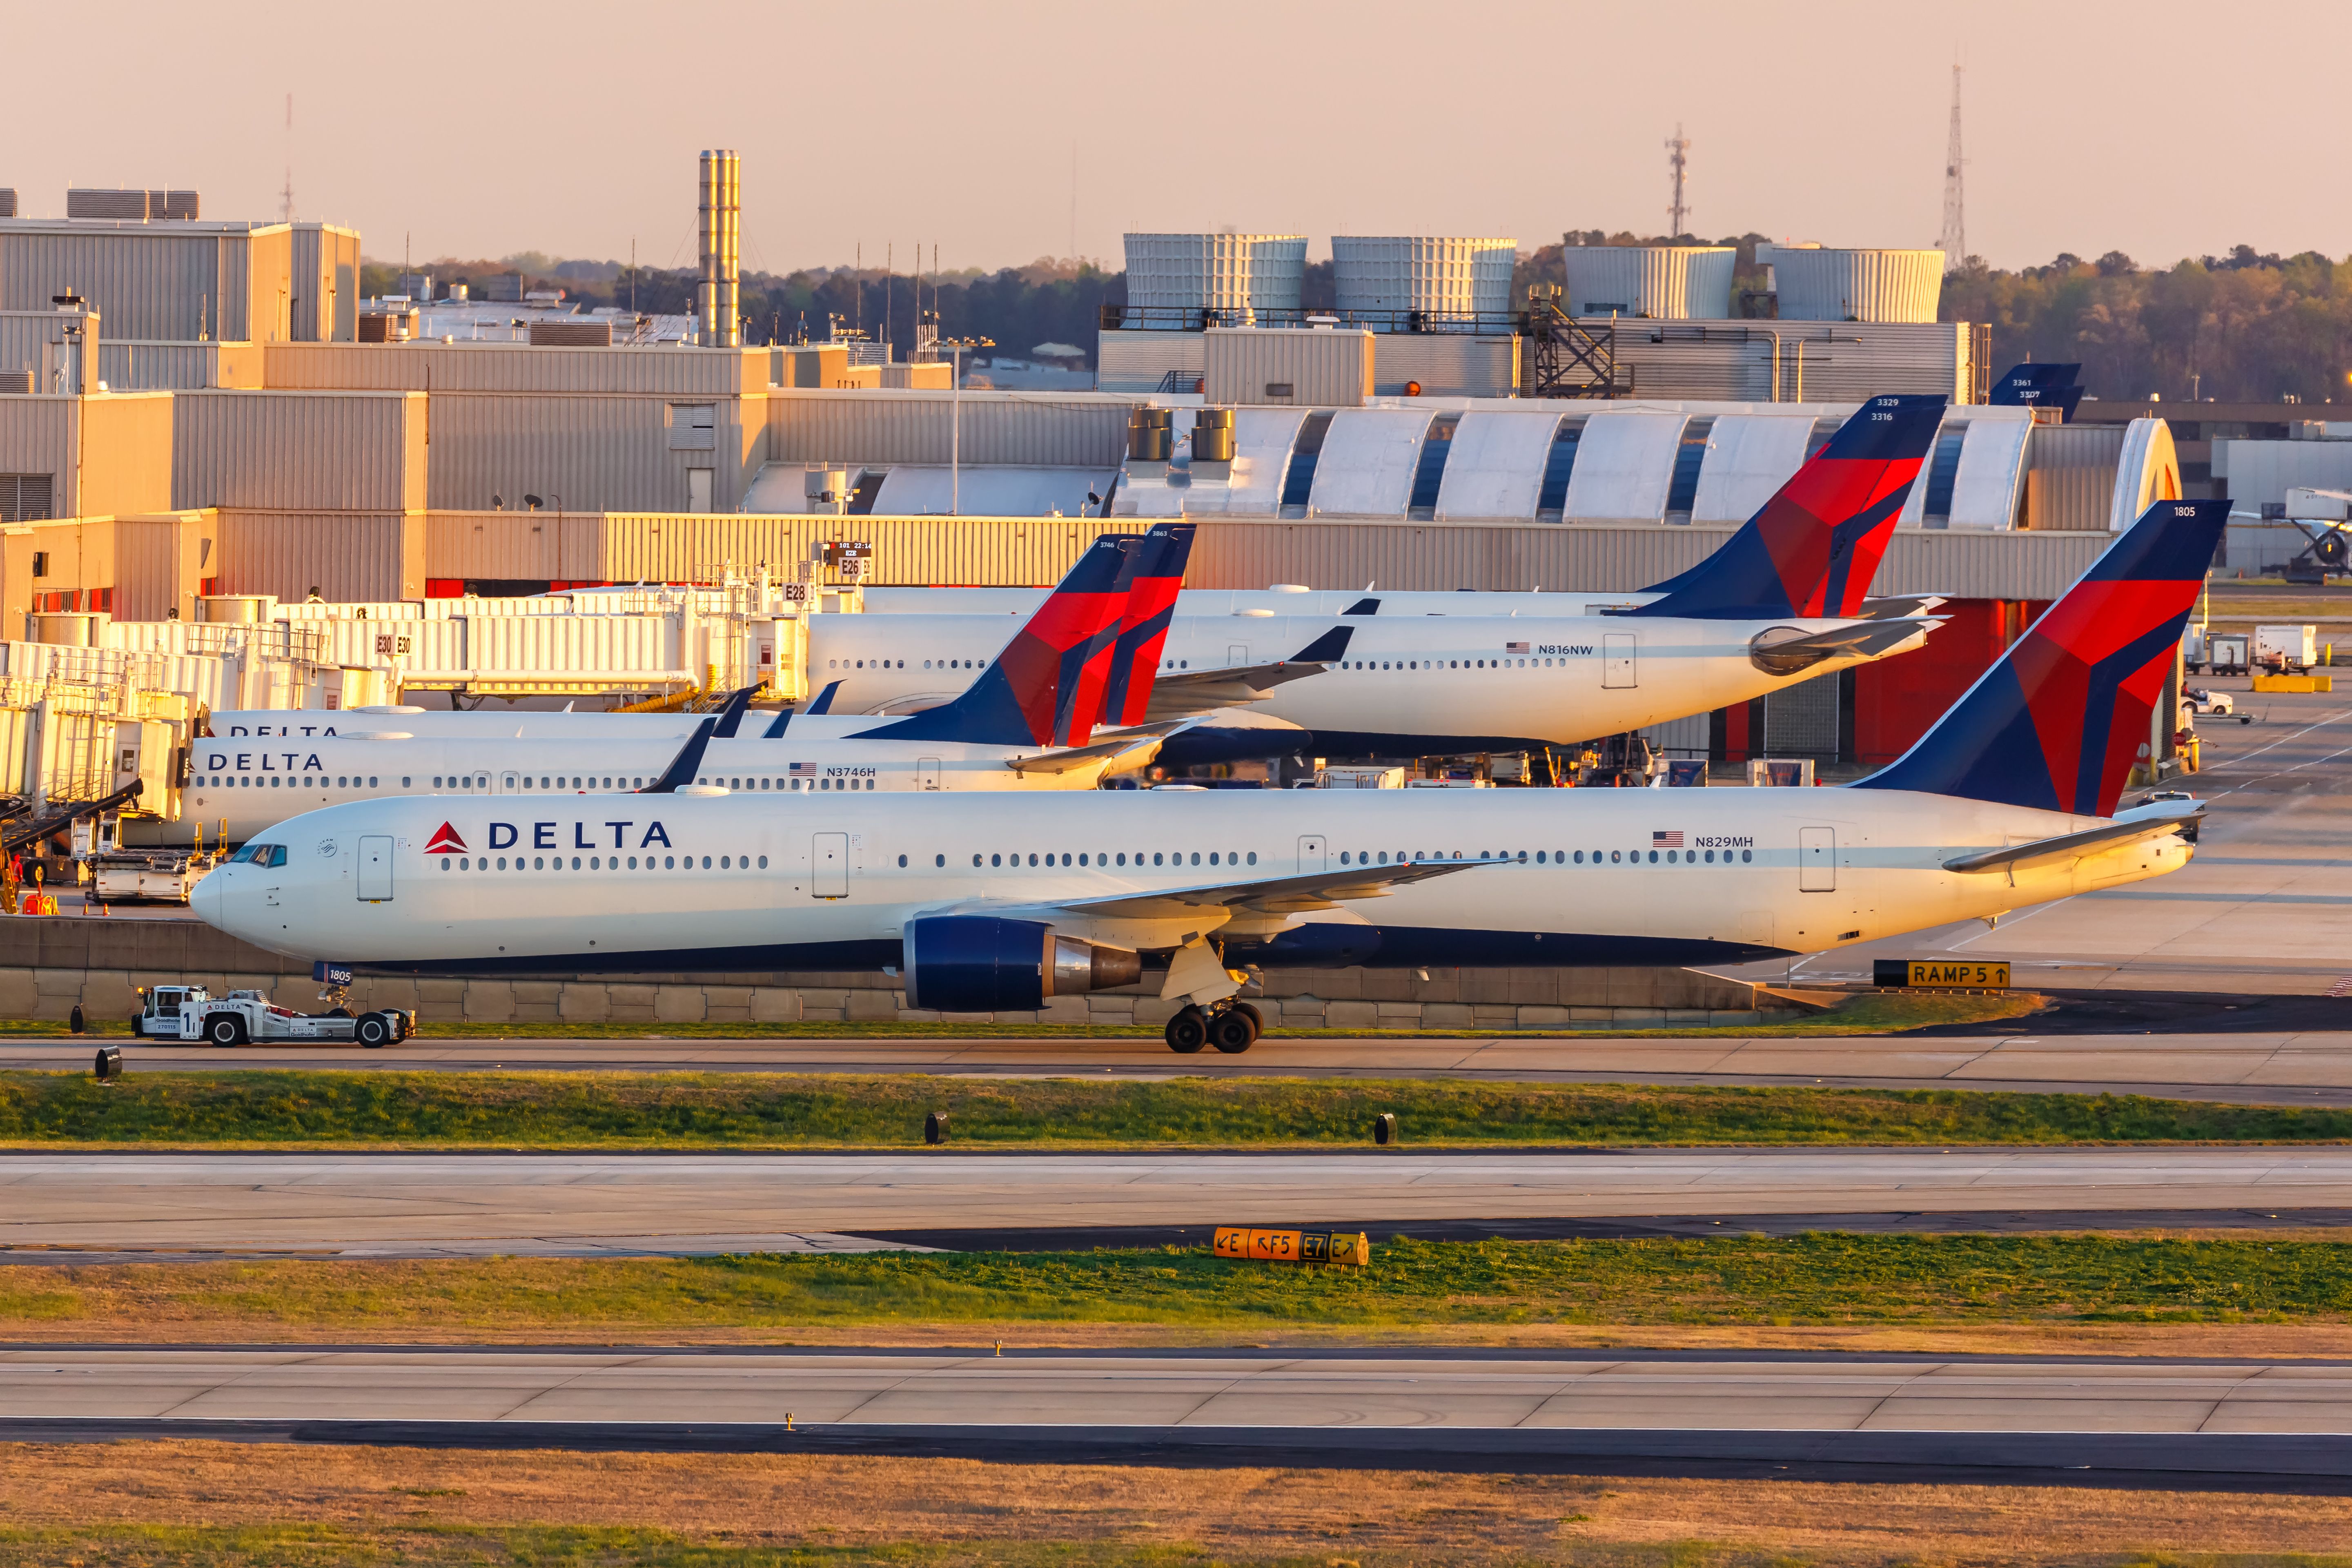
[1664, 283]
[1816, 284]
[1235, 275]
[2286, 647]
[1445, 275]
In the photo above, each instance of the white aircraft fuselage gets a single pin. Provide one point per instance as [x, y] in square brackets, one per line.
[1408, 686]
[743, 881]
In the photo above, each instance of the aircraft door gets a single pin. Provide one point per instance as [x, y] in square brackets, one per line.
[1617, 660]
[1816, 859]
[829, 866]
[1314, 854]
[508, 783]
[927, 772]
[1237, 655]
[375, 869]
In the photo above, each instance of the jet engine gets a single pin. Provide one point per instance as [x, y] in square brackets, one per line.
[983, 964]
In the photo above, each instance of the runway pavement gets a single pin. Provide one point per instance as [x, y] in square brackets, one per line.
[2244, 1417]
[570, 1205]
[2278, 1067]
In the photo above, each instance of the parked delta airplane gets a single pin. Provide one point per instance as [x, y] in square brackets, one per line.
[1028, 722]
[1782, 600]
[1776, 604]
[997, 901]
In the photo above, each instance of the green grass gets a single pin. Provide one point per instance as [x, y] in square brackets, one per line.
[1874, 1013]
[695, 1110]
[1818, 1279]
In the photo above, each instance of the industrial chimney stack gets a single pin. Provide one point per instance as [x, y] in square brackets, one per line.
[722, 249]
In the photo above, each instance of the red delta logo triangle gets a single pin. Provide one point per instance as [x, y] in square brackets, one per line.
[446, 841]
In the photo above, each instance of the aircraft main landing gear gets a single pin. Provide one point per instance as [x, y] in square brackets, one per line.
[1232, 1029]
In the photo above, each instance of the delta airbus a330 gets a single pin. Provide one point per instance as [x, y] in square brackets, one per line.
[997, 901]
[1029, 722]
[1782, 601]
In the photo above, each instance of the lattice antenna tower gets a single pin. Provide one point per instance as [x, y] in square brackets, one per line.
[1953, 242]
[286, 197]
[1678, 161]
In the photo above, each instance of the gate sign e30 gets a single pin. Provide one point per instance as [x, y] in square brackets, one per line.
[1941, 974]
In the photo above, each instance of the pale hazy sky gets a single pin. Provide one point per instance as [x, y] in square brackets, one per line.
[2161, 128]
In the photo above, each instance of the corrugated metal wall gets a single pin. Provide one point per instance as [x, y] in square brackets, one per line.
[309, 451]
[2070, 475]
[879, 428]
[1448, 364]
[126, 453]
[517, 367]
[1322, 369]
[343, 554]
[178, 367]
[1139, 362]
[159, 560]
[153, 280]
[324, 270]
[1233, 554]
[592, 453]
[1226, 553]
[996, 551]
[1843, 362]
[36, 437]
[605, 643]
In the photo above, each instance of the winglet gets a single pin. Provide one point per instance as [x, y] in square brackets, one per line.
[1328, 648]
[1813, 548]
[731, 717]
[823, 703]
[2058, 722]
[682, 767]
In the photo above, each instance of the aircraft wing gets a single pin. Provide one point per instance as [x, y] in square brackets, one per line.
[1181, 694]
[2154, 821]
[1135, 738]
[1266, 895]
[1861, 639]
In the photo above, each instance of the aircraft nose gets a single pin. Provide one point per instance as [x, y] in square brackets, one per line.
[210, 897]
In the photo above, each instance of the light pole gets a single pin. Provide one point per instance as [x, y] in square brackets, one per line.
[956, 347]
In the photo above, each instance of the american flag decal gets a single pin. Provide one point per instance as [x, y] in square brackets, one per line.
[1515, 648]
[803, 768]
[1666, 840]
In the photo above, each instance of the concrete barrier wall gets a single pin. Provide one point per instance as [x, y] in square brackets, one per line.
[47, 966]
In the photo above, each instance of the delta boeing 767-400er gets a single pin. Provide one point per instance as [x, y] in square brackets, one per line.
[1782, 601]
[997, 901]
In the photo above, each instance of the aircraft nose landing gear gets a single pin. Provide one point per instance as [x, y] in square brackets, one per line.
[1233, 1029]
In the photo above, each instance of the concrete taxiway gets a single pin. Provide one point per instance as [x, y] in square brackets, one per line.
[2279, 1068]
[571, 1205]
[2244, 1417]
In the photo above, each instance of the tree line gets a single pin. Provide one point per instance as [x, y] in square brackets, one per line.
[2242, 327]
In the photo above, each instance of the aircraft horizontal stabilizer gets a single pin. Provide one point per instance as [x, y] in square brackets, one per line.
[2151, 822]
[1895, 606]
[1181, 694]
[1863, 639]
[1116, 743]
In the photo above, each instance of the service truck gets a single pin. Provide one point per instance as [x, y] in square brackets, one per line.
[2287, 649]
[190, 1012]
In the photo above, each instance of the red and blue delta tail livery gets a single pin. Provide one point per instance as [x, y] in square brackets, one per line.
[1158, 569]
[2058, 723]
[1814, 548]
[1033, 692]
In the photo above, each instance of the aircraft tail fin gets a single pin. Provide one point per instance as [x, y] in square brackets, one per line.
[1158, 573]
[2058, 722]
[1814, 548]
[1030, 692]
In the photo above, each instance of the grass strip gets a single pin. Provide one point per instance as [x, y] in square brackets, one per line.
[1875, 1013]
[785, 1111]
[1816, 1278]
